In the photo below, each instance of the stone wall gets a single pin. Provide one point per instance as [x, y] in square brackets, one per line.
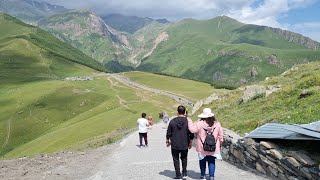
[267, 158]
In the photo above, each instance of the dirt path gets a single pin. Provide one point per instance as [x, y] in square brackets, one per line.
[119, 161]
[136, 85]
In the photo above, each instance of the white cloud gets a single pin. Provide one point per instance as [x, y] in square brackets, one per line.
[311, 29]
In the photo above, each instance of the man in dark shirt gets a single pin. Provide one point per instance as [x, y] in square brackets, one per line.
[180, 139]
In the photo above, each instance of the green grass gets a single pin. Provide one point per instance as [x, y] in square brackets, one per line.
[189, 89]
[42, 113]
[284, 106]
[66, 114]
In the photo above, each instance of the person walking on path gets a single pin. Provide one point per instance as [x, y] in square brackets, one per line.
[180, 139]
[150, 120]
[207, 125]
[143, 129]
[165, 120]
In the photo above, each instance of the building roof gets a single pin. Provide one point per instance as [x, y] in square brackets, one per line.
[285, 131]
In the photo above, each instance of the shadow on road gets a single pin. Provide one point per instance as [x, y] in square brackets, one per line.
[171, 174]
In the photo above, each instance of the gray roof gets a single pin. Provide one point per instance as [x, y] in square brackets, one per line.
[285, 131]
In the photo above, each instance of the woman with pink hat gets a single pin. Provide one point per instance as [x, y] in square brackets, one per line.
[205, 126]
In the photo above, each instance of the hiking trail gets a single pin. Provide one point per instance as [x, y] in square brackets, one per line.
[118, 161]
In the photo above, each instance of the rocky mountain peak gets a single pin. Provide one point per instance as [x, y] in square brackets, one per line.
[296, 38]
[45, 6]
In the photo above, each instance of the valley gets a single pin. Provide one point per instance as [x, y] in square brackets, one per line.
[38, 106]
[74, 82]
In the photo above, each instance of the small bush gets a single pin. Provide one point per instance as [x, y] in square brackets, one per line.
[224, 86]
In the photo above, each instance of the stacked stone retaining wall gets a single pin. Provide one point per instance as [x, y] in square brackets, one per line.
[267, 158]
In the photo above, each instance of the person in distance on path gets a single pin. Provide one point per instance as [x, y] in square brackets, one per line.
[180, 139]
[143, 129]
[150, 121]
[165, 119]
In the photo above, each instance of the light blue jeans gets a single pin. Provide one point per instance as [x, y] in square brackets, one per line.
[211, 165]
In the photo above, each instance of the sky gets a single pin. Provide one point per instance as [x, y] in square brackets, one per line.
[301, 16]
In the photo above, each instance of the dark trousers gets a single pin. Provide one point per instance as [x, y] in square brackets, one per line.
[176, 162]
[145, 137]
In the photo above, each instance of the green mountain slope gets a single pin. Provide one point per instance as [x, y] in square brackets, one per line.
[226, 51]
[87, 32]
[42, 113]
[118, 51]
[29, 51]
[129, 24]
[219, 50]
[296, 101]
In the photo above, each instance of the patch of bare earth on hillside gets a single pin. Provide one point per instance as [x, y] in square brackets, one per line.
[164, 36]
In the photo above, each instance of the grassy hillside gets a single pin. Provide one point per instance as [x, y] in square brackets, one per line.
[189, 89]
[27, 54]
[87, 32]
[42, 113]
[298, 101]
[47, 116]
[224, 50]
[118, 51]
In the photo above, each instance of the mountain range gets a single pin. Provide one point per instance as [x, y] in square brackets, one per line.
[45, 112]
[217, 50]
[43, 99]
[29, 10]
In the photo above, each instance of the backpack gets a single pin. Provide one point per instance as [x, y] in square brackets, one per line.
[209, 143]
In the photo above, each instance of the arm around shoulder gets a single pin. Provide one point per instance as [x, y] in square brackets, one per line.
[220, 133]
[192, 126]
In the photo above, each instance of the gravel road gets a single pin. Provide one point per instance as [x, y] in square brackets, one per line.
[128, 161]
[136, 85]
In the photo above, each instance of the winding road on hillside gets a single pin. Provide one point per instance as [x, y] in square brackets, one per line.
[136, 85]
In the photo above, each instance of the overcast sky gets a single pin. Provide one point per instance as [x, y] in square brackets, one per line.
[302, 16]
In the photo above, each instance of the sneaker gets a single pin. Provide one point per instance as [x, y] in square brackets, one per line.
[202, 178]
[178, 177]
[184, 176]
[146, 146]
[211, 178]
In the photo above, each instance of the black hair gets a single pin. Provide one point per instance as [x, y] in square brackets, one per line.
[210, 121]
[143, 115]
[181, 110]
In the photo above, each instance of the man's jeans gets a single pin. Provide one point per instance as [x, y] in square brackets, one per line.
[184, 158]
[211, 165]
[145, 137]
